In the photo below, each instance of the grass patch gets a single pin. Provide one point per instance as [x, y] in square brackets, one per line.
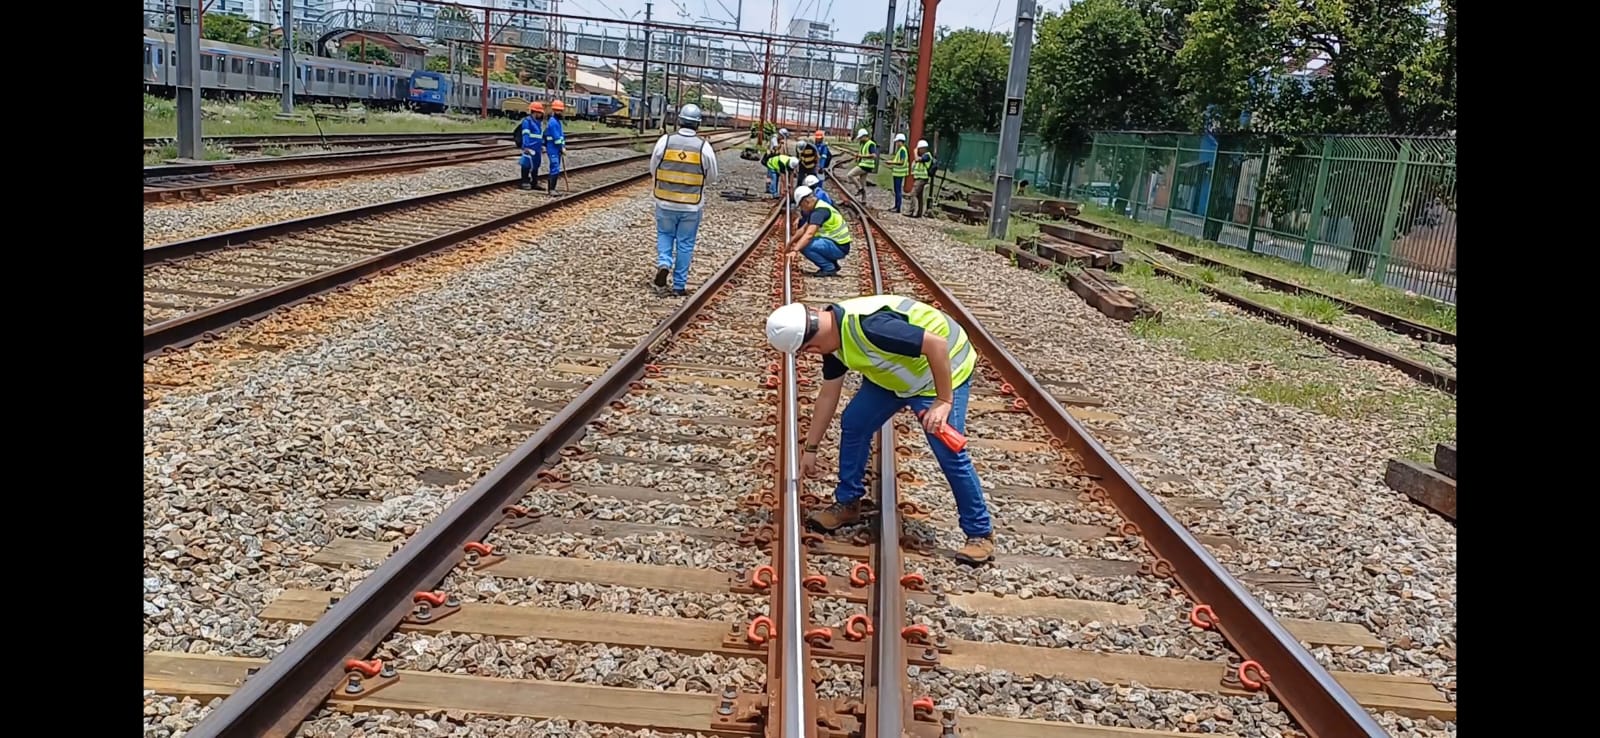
[1414, 307]
[255, 118]
[979, 235]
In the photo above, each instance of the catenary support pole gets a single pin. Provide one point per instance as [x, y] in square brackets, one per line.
[187, 27]
[287, 66]
[644, 82]
[919, 104]
[1011, 124]
[880, 123]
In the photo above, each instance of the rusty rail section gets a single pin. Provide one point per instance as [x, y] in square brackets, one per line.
[1274, 658]
[277, 699]
[186, 329]
[1419, 371]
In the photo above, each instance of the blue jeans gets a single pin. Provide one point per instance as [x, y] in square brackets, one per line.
[772, 183]
[869, 410]
[825, 254]
[530, 163]
[676, 232]
[899, 184]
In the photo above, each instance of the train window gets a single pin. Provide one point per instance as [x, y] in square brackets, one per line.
[322, 74]
[237, 65]
[206, 63]
[344, 77]
[147, 55]
[277, 69]
[361, 79]
[173, 60]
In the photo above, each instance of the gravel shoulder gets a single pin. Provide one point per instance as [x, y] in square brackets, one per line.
[180, 220]
[1302, 489]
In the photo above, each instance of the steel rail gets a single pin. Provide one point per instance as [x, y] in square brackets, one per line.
[277, 699]
[160, 171]
[884, 675]
[1302, 686]
[186, 329]
[792, 696]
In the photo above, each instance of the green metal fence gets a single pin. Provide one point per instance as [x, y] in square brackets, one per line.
[1374, 207]
[1043, 167]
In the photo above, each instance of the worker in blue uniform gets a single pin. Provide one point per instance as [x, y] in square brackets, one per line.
[530, 137]
[824, 154]
[555, 141]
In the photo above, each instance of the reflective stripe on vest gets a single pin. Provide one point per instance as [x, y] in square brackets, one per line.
[920, 169]
[681, 175]
[531, 130]
[808, 156]
[906, 376]
[897, 165]
[835, 228]
[866, 161]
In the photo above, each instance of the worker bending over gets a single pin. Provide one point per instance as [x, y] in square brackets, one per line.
[909, 354]
[825, 237]
[824, 154]
[899, 167]
[921, 171]
[681, 165]
[807, 154]
[866, 163]
[780, 172]
[555, 141]
[530, 138]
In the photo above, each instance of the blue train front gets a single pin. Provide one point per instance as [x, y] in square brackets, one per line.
[428, 91]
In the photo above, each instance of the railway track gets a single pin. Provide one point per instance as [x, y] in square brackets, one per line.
[201, 285]
[690, 438]
[288, 140]
[186, 181]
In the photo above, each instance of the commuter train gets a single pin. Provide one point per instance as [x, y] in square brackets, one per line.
[235, 70]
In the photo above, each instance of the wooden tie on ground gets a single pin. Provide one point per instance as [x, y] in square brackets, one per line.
[1432, 487]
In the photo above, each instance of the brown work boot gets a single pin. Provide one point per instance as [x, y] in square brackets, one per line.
[835, 516]
[978, 551]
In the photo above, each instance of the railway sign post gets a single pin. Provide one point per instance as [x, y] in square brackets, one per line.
[287, 74]
[1011, 125]
[188, 33]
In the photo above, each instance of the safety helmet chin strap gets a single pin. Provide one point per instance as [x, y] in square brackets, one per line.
[812, 325]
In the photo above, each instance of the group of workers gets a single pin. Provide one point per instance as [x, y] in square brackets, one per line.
[540, 137]
[813, 158]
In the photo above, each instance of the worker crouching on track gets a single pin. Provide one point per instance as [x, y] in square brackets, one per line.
[555, 141]
[681, 166]
[780, 172]
[909, 354]
[816, 189]
[530, 138]
[825, 237]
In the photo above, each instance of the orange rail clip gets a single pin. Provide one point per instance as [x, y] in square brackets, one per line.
[1244, 677]
[857, 579]
[760, 629]
[758, 581]
[1203, 623]
[859, 626]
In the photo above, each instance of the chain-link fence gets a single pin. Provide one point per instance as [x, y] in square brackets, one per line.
[1374, 207]
[1045, 169]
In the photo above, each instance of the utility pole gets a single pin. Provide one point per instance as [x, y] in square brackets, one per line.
[880, 132]
[919, 95]
[644, 84]
[483, 71]
[287, 65]
[187, 28]
[1011, 124]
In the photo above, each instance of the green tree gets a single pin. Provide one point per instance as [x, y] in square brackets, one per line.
[375, 54]
[1104, 64]
[867, 90]
[230, 29]
[967, 82]
[698, 96]
[535, 67]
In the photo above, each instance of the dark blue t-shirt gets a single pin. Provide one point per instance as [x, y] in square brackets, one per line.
[886, 329]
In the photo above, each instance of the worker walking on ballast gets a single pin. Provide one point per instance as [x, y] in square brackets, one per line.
[555, 141]
[530, 138]
[909, 354]
[681, 166]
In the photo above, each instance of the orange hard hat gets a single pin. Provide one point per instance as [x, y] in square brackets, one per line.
[557, 106]
[533, 106]
[817, 135]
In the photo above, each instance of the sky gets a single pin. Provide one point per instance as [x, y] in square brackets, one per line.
[851, 17]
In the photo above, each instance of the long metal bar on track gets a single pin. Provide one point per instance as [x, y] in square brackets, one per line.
[1310, 694]
[277, 699]
[885, 668]
[792, 708]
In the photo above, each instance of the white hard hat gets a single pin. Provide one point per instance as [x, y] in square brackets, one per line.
[811, 180]
[922, 143]
[802, 192]
[786, 327]
[783, 132]
[861, 133]
[899, 136]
